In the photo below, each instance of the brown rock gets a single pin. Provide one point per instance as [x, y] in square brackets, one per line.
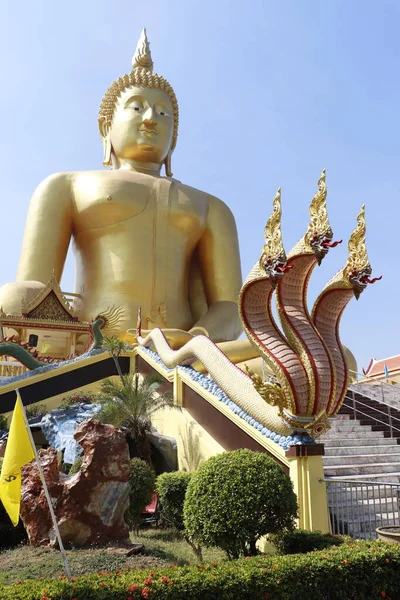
[90, 504]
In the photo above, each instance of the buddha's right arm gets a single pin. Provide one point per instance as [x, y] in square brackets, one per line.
[48, 230]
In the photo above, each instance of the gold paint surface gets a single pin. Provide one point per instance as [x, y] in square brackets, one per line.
[139, 239]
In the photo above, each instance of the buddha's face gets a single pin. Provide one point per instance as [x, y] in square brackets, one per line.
[143, 125]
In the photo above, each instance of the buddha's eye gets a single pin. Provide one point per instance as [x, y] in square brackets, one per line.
[162, 111]
[136, 105]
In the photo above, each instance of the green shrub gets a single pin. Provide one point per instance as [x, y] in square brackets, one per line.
[300, 541]
[360, 571]
[171, 489]
[141, 487]
[237, 497]
[3, 422]
[35, 410]
[75, 467]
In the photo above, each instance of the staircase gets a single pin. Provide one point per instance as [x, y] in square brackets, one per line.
[362, 462]
[357, 450]
[363, 441]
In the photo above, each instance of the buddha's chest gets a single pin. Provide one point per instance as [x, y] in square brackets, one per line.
[136, 201]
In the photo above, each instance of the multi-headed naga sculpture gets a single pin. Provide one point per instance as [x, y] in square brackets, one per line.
[308, 372]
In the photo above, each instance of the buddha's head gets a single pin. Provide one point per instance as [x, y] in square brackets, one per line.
[138, 116]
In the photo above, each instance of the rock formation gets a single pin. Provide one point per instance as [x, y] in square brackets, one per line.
[90, 504]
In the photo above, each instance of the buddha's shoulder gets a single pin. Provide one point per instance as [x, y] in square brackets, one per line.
[195, 193]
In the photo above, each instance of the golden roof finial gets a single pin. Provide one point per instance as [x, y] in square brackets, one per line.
[273, 245]
[142, 57]
[358, 256]
[318, 214]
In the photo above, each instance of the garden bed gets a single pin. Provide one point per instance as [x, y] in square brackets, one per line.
[359, 570]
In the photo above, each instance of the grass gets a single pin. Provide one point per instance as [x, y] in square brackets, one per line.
[162, 547]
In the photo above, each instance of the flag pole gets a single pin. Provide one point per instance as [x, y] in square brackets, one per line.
[46, 491]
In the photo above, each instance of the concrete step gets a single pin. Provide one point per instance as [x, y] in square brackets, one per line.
[361, 459]
[364, 469]
[361, 441]
[366, 492]
[361, 432]
[351, 427]
[355, 450]
[343, 423]
[354, 503]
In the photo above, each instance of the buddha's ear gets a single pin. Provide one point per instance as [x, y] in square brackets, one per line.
[103, 129]
[105, 136]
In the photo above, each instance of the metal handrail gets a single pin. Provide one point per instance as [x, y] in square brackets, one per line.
[363, 481]
[357, 411]
[371, 407]
[391, 427]
[357, 507]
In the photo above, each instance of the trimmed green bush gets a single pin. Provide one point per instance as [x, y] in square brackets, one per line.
[237, 497]
[360, 571]
[301, 541]
[142, 483]
[171, 489]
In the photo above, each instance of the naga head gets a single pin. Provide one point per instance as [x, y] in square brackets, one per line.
[358, 268]
[319, 234]
[273, 258]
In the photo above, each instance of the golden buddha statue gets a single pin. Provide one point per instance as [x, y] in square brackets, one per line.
[139, 238]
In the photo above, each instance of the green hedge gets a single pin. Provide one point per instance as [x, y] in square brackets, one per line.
[300, 541]
[237, 497]
[357, 571]
[171, 489]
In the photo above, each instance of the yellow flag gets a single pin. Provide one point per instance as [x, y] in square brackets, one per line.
[18, 453]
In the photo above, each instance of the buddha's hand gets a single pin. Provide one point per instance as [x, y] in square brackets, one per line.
[177, 338]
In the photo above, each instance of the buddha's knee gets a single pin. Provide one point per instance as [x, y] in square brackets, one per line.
[13, 296]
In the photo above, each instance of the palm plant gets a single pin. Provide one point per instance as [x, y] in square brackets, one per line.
[130, 403]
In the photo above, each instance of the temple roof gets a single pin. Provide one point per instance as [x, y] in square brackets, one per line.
[50, 308]
[376, 367]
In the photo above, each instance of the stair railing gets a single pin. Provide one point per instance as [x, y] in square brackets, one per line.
[353, 403]
[357, 507]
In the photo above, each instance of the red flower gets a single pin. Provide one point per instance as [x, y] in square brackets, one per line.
[388, 560]
[18, 582]
[345, 562]
[170, 583]
[148, 581]
[133, 587]
[164, 579]
[214, 564]
[383, 594]
[145, 592]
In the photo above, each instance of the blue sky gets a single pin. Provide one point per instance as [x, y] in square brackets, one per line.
[269, 93]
